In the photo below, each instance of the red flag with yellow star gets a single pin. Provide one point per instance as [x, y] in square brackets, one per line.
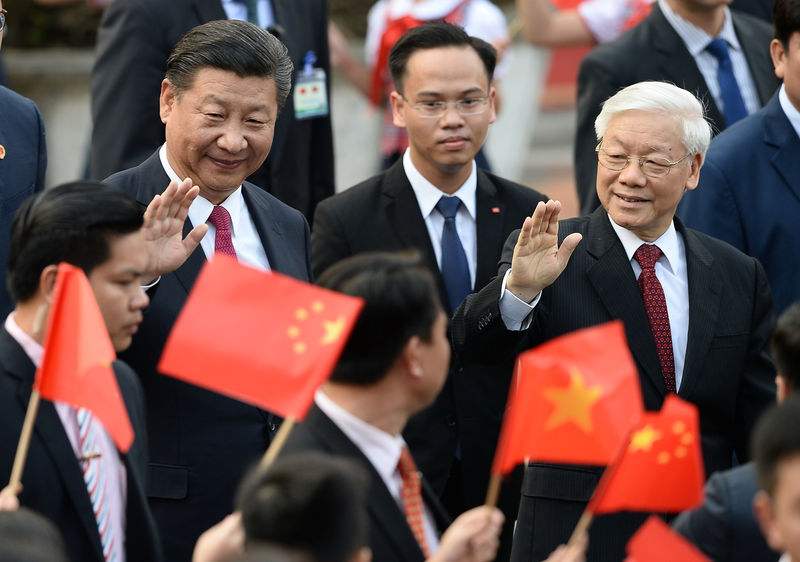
[572, 400]
[76, 365]
[661, 467]
[655, 541]
[260, 337]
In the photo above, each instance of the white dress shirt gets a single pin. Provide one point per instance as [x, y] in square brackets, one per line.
[113, 467]
[382, 451]
[696, 41]
[671, 271]
[428, 195]
[792, 113]
[244, 235]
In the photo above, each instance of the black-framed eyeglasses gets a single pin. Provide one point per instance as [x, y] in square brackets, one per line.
[651, 166]
[434, 109]
[2, 20]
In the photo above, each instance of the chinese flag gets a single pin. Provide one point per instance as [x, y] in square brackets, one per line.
[76, 365]
[655, 541]
[260, 337]
[572, 400]
[660, 469]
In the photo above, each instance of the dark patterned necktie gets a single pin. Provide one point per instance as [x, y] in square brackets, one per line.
[223, 242]
[455, 269]
[656, 306]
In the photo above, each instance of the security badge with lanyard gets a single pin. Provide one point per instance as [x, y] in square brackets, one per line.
[310, 91]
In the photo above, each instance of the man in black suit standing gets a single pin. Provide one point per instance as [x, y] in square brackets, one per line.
[226, 81]
[444, 99]
[674, 44]
[394, 364]
[23, 162]
[697, 312]
[134, 40]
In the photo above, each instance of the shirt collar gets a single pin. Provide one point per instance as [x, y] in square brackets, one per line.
[695, 39]
[201, 208]
[667, 243]
[33, 349]
[428, 195]
[791, 112]
[381, 449]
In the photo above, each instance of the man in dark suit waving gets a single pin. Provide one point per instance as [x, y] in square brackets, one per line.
[444, 99]
[226, 81]
[697, 312]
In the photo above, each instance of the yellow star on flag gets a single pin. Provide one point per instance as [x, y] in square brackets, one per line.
[573, 403]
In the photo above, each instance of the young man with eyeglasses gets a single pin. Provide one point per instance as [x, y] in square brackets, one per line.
[23, 161]
[697, 312]
[444, 99]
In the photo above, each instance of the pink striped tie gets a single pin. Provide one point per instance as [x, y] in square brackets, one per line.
[221, 219]
[94, 477]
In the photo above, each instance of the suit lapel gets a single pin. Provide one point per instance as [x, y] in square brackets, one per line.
[404, 218]
[778, 133]
[615, 284]
[188, 272]
[758, 58]
[489, 220]
[50, 430]
[705, 296]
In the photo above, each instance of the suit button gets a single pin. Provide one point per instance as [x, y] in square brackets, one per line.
[451, 421]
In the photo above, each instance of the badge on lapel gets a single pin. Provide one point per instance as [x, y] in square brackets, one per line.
[2, 151]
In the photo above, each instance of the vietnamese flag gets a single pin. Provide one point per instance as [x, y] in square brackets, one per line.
[257, 336]
[572, 400]
[76, 365]
[655, 541]
[661, 467]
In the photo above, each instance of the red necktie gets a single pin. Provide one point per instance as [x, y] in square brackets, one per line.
[412, 498]
[221, 220]
[656, 306]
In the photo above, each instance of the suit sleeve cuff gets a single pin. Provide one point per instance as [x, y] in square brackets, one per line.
[516, 314]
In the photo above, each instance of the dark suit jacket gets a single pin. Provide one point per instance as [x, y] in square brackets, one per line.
[390, 537]
[21, 171]
[133, 43]
[653, 50]
[200, 441]
[382, 213]
[724, 527]
[52, 479]
[727, 374]
[749, 196]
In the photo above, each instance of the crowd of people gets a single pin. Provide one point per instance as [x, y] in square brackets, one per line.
[686, 159]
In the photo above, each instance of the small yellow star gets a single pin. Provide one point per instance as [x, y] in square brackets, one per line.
[301, 314]
[317, 306]
[687, 439]
[333, 329]
[643, 439]
[663, 457]
[678, 427]
[293, 332]
[573, 403]
[299, 348]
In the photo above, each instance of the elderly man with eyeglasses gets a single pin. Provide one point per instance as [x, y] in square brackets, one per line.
[434, 199]
[697, 312]
[23, 161]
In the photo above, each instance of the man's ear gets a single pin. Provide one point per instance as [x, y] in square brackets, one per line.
[47, 282]
[166, 100]
[762, 509]
[398, 110]
[410, 357]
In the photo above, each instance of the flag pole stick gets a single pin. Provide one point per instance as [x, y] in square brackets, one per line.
[24, 440]
[277, 443]
[494, 490]
[581, 527]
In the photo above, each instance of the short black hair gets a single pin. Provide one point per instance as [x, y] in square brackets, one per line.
[785, 345]
[775, 439]
[233, 45]
[309, 501]
[435, 35]
[401, 301]
[27, 536]
[74, 223]
[785, 20]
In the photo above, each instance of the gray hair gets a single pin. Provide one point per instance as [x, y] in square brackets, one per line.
[664, 98]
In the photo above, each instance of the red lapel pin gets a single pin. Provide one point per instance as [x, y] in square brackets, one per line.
[496, 210]
[2, 151]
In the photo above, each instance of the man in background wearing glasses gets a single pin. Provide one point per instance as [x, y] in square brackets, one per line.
[23, 161]
[445, 101]
[697, 312]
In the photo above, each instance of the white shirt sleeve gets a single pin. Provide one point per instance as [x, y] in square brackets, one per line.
[517, 314]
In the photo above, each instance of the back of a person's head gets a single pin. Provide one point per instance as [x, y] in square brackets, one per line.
[785, 345]
[436, 35]
[775, 439]
[270, 552]
[26, 536]
[74, 223]
[235, 46]
[785, 20]
[310, 502]
[400, 301]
